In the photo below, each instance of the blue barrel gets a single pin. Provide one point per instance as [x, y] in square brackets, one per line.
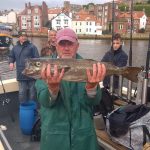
[27, 116]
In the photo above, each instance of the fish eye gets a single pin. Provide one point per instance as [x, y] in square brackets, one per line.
[38, 64]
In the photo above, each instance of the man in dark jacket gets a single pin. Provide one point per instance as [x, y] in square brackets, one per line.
[20, 52]
[66, 107]
[116, 56]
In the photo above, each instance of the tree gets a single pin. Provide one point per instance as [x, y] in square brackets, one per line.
[123, 7]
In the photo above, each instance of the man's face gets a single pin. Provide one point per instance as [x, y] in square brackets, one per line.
[67, 49]
[52, 36]
[22, 38]
[116, 44]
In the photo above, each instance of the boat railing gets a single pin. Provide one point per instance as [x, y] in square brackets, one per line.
[138, 92]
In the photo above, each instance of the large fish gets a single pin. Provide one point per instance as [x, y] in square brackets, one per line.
[75, 69]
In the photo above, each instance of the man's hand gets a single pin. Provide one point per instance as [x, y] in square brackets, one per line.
[11, 66]
[52, 79]
[97, 75]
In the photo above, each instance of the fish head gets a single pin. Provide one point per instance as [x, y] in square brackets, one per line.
[32, 69]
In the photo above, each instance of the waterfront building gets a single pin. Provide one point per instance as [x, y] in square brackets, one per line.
[8, 17]
[61, 21]
[86, 24]
[33, 18]
[122, 23]
[148, 24]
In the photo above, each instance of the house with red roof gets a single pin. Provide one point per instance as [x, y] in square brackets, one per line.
[86, 24]
[33, 18]
[122, 23]
[53, 12]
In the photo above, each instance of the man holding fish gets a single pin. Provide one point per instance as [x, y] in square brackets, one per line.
[66, 107]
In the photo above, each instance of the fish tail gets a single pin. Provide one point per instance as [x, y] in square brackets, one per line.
[131, 73]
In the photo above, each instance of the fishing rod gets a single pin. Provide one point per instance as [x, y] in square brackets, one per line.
[130, 52]
[113, 16]
[6, 100]
[131, 32]
[145, 80]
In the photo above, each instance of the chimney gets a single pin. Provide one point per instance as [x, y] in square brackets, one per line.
[29, 4]
[25, 5]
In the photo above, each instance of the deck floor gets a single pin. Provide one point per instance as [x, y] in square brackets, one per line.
[16, 139]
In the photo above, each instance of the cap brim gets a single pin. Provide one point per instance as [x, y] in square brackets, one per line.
[67, 38]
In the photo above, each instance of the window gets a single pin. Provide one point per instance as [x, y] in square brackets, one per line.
[29, 17]
[29, 11]
[36, 10]
[57, 21]
[120, 26]
[80, 23]
[65, 21]
[86, 23]
[76, 23]
[58, 28]
[86, 29]
[80, 30]
[90, 30]
[36, 17]
[29, 24]
[23, 18]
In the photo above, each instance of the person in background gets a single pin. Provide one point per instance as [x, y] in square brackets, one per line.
[20, 52]
[117, 56]
[46, 52]
[52, 42]
[66, 107]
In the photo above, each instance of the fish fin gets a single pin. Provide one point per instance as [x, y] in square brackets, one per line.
[131, 73]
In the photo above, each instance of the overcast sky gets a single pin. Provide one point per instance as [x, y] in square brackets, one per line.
[20, 4]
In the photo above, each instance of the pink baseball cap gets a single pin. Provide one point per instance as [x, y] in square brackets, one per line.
[66, 34]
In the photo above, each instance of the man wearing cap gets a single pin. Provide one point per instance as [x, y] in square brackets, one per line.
[20, 52]
[66, 107]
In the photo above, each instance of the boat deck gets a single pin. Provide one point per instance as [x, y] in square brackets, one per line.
[13, 134]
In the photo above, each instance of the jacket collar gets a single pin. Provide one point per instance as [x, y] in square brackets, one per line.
[24, 44]
[116, 51]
